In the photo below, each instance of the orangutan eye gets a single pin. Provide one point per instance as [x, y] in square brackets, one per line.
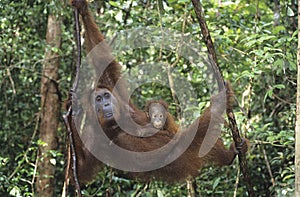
[99, 98]
[106, 95]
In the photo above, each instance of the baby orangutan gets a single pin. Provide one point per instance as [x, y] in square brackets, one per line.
[157, 113]
[159, 119]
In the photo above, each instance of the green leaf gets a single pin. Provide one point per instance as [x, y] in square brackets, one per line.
[114, 3]
[269, 93]
[295, 33]
[53, 161]
[278, 63]
[278, 29]
[183, 1]
[264, 38]
[290, 12]
[15, 191]
[159, 193]
[119, 16]
[251, 8]
[41, 143]
[279, 86]
[55, 49]
[293, 66]
[216, 183]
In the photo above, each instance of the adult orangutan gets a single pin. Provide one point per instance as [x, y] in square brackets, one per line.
[121, 121]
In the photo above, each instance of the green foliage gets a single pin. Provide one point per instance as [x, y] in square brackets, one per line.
[264, 56]
[22, 38]
[256, 56]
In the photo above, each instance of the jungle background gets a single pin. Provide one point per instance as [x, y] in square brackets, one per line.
[256, 45]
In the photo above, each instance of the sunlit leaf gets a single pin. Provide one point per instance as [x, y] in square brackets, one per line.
[290, 12]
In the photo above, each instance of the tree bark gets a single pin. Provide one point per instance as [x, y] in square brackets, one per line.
[297, 130]
[50, 106]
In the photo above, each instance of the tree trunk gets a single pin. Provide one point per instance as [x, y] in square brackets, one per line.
[50, 106]
[297, 136]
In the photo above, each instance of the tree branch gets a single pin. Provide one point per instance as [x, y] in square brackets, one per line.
[232, 122]
[68, 116]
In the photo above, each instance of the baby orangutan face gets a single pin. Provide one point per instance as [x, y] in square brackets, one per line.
[157, 115]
